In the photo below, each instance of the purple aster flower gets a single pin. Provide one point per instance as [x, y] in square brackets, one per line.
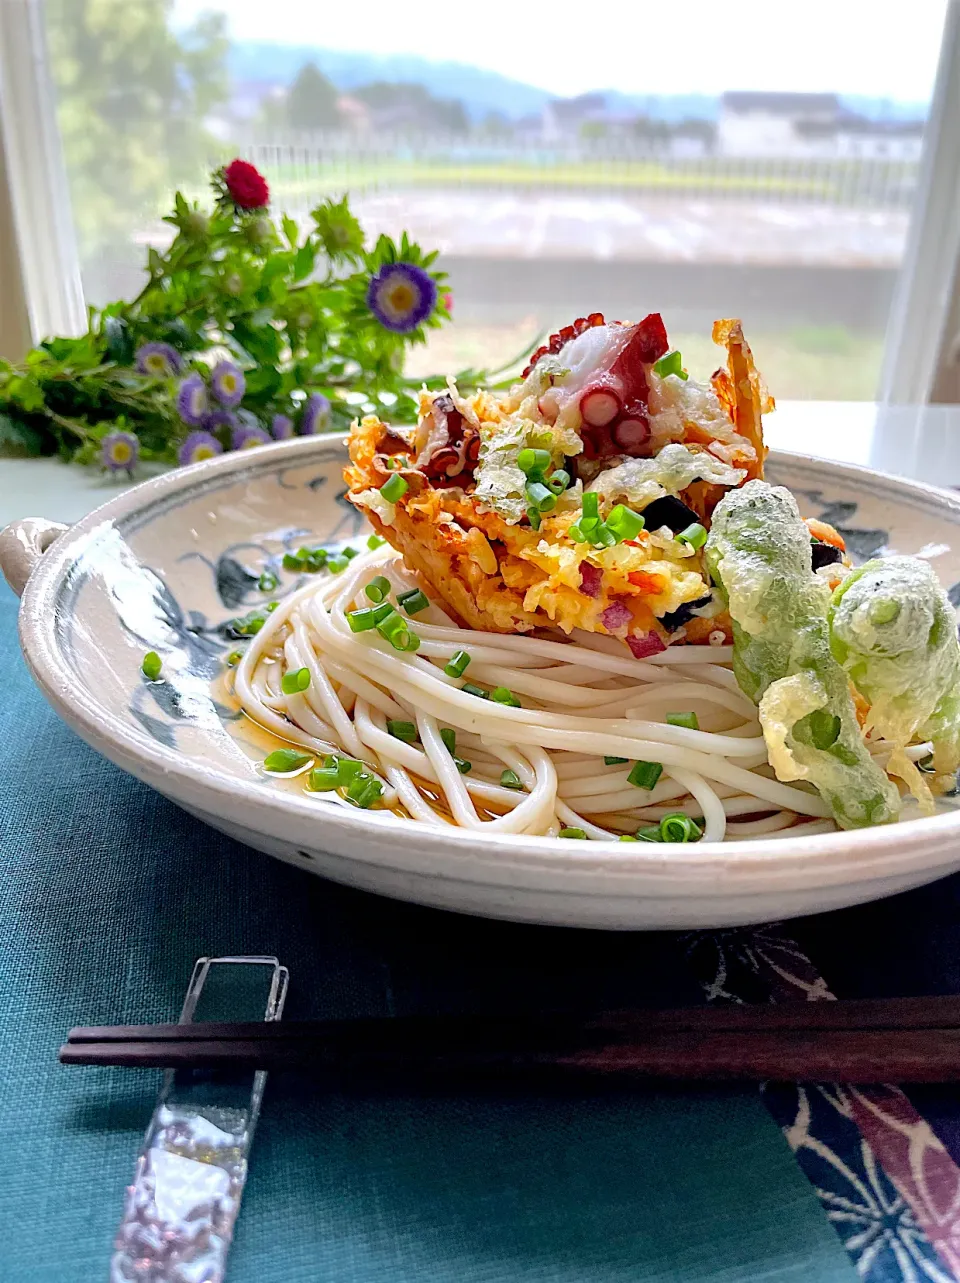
[159, 359]
[119, 451]
[222, 421]
[282, 427]
[192, 400]
[245, 438]
[228, 383]
[316, 415]
[401, 296]
[199, 446]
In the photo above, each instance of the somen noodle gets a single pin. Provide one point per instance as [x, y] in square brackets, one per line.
[581, 700]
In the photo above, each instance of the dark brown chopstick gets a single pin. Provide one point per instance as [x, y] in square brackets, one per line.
[885, 1040]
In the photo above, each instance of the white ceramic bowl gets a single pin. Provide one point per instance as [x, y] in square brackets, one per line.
[162, 565]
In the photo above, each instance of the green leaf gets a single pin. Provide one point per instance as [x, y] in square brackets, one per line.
[304, 261]
[290, 230]
[119, 340]
[19, 437]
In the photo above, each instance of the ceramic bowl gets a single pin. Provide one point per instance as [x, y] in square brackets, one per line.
[165, 564]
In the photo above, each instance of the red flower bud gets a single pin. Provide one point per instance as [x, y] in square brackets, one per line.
[247, 186]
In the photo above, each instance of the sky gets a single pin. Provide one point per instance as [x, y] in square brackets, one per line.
[876, 47]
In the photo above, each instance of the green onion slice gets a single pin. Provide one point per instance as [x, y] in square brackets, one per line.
[572, 833]
[267, 581]
[413, 601]
[679, 828]
[694, 535]
[363, 620]
[449, 738]
[406, 731]
[463, 767]
[323, 779]
[294, 683]
[458, 665]
[615, 761]
[378, 589]
[645, 774]
[394, 488]
[671, 363]
[469, 689]
[285, 759]
[687, 720]
[501, 695]
[591, 506]
[624, 523]
[533, 463]
[375, 541]
[510, 780]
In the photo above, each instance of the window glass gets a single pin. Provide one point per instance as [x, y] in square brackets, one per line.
[698, 159]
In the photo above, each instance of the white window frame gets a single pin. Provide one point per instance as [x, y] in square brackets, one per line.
[39, 254]
[918, 342]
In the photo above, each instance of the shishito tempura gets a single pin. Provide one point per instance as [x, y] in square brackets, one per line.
[581, 497]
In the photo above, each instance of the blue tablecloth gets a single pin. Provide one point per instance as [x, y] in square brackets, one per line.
[107, 895]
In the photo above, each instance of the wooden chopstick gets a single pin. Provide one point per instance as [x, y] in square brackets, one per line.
[879, 1040]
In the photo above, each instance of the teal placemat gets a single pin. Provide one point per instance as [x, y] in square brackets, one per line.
[107, 895]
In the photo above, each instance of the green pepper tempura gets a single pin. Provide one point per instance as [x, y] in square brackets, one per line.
[759, 553]
[893, 629]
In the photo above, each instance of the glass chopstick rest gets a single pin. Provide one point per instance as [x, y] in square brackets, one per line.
[180, 1211]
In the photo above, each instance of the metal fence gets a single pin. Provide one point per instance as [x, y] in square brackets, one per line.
[304, 165]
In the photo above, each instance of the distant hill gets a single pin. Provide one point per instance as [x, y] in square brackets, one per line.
[482, 91]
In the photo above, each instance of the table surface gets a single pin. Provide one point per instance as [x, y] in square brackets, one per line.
[108, 893]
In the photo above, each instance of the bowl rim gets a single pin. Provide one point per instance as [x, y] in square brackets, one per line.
[217, 792]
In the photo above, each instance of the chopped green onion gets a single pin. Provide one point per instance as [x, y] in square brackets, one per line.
[381, 612]
[645, 774]
[316, 560]
[323, 779]
[575, 533]
[470, 689]
[589, 526]
[394, 488]
[247, 625]
[364, 789]
[686, 720]
[294, 683]
[394, 628]
[378, 589]
[375, 541]
[627, 837]
[406, 731]
[695, 535]
[272, 606]
[540, 496]
[413, 601]
[463, 767]
[533, 463]
[533, 516]
[615, 761]
[651, 833]
[671, 363]
[501, 695]
[679, 828]
[603, 536]
[292, 562]
[591, 506]
[449, 738]
[267, 581]
[458, 665]
[336, 564]
[558, 481]
[624, 523]
[884, 610]
[510, 780]
[572, 833]
[347, 768]
[363, 620]
[233, 658]
[304, 554]
[151, 665]
[285, 759]
[349, 552]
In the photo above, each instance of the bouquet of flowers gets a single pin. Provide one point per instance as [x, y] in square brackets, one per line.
[244, 332]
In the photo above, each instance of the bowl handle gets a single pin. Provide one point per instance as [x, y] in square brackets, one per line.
[22, 544]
